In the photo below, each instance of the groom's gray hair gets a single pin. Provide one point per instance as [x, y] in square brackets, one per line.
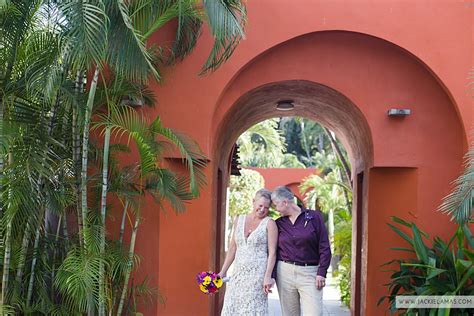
[283, 192]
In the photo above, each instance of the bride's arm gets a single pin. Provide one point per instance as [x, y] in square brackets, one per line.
[272, 247]
[229, 258]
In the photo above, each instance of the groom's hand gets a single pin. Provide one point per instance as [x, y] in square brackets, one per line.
[320, 282]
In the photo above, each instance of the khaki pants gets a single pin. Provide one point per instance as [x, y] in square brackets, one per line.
[297, 290]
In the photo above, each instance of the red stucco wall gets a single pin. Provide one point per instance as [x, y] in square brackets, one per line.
[291, 177]
[378, 54]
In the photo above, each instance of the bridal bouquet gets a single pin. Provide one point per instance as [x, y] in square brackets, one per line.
[209, 282]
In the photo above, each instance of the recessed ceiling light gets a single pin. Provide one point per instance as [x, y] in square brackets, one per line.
[285, 105]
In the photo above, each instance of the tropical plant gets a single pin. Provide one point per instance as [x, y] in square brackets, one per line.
[333, 196]
[241, 193]
[343, 249]
[435, 267]
[263, 146]
[51, 177]
[460, 202]
[442, 268]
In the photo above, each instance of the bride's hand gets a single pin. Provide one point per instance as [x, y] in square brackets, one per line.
[268, 284]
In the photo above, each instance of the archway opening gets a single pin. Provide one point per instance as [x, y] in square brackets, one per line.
[307, 158]
[315, 102]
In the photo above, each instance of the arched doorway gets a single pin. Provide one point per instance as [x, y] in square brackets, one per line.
[348, 81]
[313, 101]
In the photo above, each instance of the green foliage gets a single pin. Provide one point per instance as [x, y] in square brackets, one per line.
[52, 253]
[263, 146]
[304, 138]
[326, 193]
[343, 250]
[460, 202]
[242, 191]
[333, 197]
[435, 267]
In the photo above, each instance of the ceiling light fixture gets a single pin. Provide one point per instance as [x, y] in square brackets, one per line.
[285, 105]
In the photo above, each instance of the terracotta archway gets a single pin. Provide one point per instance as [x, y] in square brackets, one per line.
[313, 101]
[347, 81]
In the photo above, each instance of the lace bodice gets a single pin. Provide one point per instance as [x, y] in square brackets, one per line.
[255, 246]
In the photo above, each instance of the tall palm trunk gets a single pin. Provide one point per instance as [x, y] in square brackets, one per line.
[345, 174]
[33, 266]
[55, 253]
[129, 265]
[76, 153]
[6, 240]
[103, 207]
[65, 234]
[1, 156]
[338, 152]
[6, 264]
[305, 143]
[85, 148]
[77, 168]
[7, 255]
[24, 249]
[122, 225]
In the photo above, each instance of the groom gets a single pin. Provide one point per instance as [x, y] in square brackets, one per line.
[303, 256]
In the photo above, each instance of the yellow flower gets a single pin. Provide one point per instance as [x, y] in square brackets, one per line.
[207, 280]
[218, 282]
[203, 288]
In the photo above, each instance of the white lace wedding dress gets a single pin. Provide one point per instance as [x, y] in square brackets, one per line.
[244, 292]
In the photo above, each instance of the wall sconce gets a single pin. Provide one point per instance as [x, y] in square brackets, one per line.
[399, 112]
[285, 105]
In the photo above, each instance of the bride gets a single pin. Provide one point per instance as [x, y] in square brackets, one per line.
[253, 247]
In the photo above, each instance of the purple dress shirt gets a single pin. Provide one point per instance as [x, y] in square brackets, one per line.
[304, 242]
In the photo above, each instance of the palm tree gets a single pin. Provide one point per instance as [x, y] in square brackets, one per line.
[47, 48]
[263, 146]
[327, 194]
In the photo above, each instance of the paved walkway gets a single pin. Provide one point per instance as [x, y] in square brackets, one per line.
[331, 300]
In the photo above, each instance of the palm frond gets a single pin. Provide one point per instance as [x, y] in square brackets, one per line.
[77, 279]
[85, 38]
[125, 120]
[164, 184]
[127, 53]
[460, 202]
[226, 20]
[190, 151]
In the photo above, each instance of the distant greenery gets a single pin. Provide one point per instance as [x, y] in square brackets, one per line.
[242, 191]
[343, 248]
[304, 139]
[263, 146]
[288, 142]
[295, 142]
